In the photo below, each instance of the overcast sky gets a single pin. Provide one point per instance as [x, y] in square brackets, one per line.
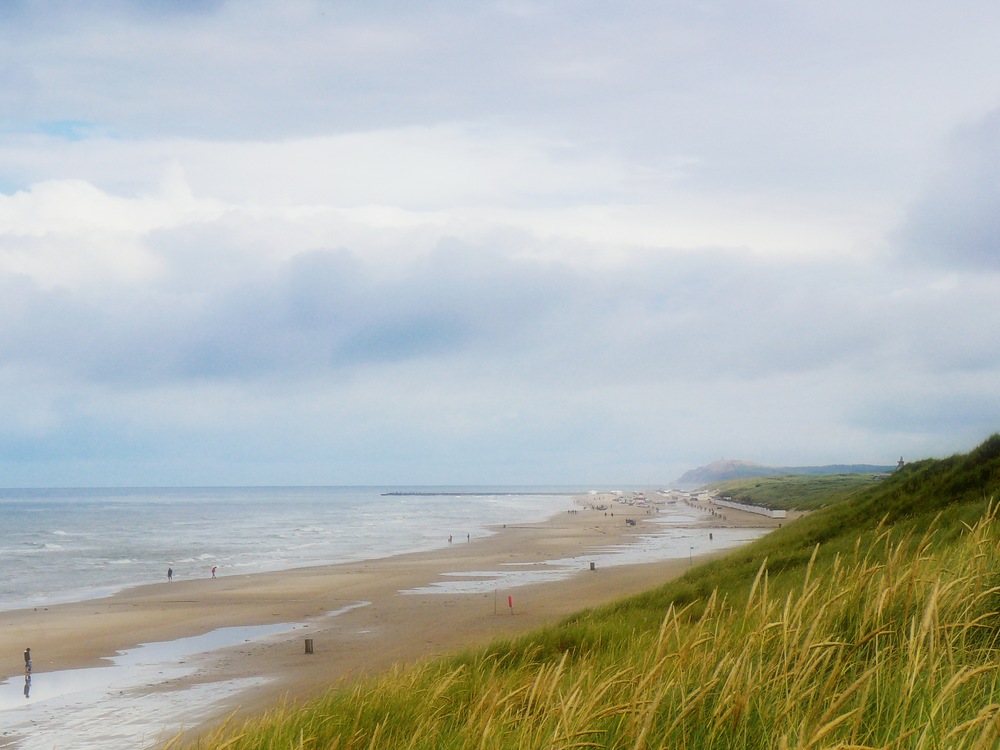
[577, 242]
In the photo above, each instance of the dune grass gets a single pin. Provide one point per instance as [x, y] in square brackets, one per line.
[870, 624]
[799, 491]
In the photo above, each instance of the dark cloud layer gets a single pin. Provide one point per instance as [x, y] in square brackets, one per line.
[324, 311]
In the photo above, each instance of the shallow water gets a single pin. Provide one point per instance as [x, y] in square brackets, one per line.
[127, 703]
[70, 708]
[673, 539]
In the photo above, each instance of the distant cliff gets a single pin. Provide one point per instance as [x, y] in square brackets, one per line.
[718, 471]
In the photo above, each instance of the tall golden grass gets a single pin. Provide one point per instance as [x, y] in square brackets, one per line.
[893, 645]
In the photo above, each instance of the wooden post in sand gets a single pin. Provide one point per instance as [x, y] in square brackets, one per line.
[309, 645]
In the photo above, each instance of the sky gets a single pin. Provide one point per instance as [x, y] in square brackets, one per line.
[295, 242]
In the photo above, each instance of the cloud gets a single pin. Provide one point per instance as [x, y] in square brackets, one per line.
[192, 310]
[216, 306]
[454, 165]
[956, 223]
[516, 241]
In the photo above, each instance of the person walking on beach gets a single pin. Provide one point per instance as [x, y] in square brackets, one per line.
[214, 568]
[170, 574]
[27, 661]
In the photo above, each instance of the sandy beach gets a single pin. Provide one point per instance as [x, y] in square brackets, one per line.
[378, 625]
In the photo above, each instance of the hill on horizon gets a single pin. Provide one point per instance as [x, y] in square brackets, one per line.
[728, 468]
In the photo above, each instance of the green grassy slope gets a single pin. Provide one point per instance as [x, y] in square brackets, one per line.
[801, 492]
[869, 623]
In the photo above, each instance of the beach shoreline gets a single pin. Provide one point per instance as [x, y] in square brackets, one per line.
[376, 625]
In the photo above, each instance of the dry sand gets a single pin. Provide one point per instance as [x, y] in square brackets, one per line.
[392, 627]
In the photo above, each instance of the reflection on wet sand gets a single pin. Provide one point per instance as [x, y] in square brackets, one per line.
[39, 716]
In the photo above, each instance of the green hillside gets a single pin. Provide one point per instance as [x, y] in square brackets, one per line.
[870, 623]
[801, 492]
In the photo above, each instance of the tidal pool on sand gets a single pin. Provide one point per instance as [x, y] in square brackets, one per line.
[126, 704]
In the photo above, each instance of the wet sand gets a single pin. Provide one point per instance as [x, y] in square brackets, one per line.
[377, 625]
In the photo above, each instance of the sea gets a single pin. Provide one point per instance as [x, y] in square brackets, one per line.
[62, 545]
